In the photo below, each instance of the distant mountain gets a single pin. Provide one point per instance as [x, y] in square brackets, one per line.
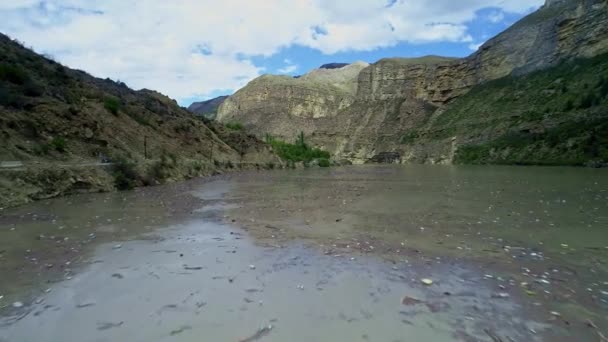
[333, 65]
[207, 109]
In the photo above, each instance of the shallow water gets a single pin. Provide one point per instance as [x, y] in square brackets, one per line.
[319, 255]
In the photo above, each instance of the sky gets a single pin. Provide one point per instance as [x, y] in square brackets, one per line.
[195, 50]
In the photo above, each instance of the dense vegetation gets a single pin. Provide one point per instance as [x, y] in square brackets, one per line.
[557, 116]
[299, 151]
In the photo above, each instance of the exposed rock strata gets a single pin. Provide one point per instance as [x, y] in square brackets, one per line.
[359, 111]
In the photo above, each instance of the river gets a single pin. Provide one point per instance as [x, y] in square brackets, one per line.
[361, 253]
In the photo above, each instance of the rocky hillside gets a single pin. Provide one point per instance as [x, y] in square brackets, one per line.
[390, 104]
[207, 109]
[57, 125]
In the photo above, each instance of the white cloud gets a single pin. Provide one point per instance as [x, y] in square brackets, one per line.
[496, 17]
[190, 48]
[288, 69]
[475, 46]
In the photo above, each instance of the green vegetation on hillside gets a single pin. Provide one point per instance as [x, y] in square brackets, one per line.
[235, 126]
[17, 85]
[111, 104]
[298, 152]
[557, 116]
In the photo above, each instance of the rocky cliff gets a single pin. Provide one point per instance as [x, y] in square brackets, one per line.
[389, 104]
[207, 109]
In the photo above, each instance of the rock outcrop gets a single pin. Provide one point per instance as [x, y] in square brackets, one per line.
[381, 107]
[207, 109]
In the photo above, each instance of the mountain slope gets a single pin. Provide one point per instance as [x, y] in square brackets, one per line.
[397, 97]
[555, 116]
[207, 109]
[63, 120]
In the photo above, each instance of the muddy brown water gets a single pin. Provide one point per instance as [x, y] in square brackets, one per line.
[514, 253]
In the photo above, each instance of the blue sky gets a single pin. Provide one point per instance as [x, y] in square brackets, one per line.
[193, 50]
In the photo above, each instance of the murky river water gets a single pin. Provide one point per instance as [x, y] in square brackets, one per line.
[514, 254]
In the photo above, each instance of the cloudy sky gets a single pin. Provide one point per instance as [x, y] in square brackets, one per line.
[197, 49]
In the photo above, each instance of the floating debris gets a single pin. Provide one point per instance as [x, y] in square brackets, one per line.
[263, 331]
[108, 325]
[409, 301]
[252, 267]
[180, 330]
[426, 281]
[501, 295]
[193, 268]
[85, 304]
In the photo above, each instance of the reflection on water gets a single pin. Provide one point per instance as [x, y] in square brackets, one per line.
[320, 254]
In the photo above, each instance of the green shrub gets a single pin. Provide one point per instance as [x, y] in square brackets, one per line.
[13, 74]
[112, 105]
[324, 162]
[300, 141]
[33, 89]
[10, 98]
[161, 170]
[58, 144]
[42, 149]
[589, 101]
[125, 174]
[409, 138]
[268, 138]
[299, 152]
[235, 126]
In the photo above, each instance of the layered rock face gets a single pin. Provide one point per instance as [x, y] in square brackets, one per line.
[207, 109]
[283, 106]
[357, 112]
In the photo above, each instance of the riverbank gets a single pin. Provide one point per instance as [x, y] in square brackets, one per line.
[35, 182]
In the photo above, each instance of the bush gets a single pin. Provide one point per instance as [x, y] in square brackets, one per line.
[589, 101]
[13, 74]
[58, 144]
[161, 170]
[235, 126]
[42, 150]
[409, 138]
[299, 152]
[323, 162]
[125, 175]
[33, 89]
[112, 105]
[9, 98]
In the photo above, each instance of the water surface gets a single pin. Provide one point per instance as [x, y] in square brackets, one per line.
[337, 254]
